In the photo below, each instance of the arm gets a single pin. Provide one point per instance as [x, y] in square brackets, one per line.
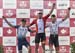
[31, 30]
[50, 11]
[67, 16]
[47, 25]
[8, 22]
[33, 22]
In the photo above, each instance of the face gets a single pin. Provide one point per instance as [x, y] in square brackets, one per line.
[53, 19]
[23, 23]
[40, 15]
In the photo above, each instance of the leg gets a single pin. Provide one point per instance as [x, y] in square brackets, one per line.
[57, 49]
[51, 47]
[37, 40]
[19, 45]
[56, 43]
[43, 46]
[26, 43]
[51, 38]
[43, 41]
[20, 51]
[29, 49]
[36, 47]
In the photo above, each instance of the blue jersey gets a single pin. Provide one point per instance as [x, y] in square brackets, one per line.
[22, 31]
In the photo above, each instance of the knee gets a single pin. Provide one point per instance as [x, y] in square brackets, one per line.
[29, 48]
[57, 48]
[43, 43]
[36, 47]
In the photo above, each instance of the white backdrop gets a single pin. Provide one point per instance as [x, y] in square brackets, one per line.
[28, 9]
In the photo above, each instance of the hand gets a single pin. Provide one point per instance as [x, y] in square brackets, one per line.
[69, 8]
[28, 26]
[54, 4]
[3, 17]
[33, 31]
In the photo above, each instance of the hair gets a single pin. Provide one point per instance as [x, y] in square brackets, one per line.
[40, 12]
[53, 15]
[23, 20]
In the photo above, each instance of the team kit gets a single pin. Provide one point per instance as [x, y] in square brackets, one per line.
[40, 23]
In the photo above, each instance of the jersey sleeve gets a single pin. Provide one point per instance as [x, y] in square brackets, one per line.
[46, 17]
[33, 22]
[16, 26]
[58, 22]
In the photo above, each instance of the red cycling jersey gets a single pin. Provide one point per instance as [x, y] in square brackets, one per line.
[44, 22]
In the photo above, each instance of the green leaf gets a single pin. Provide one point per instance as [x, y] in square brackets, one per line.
[72, 48]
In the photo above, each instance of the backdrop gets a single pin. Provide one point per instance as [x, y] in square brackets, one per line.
[15, 10]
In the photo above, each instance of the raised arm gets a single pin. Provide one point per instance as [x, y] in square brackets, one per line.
[50, 11]
[8, 22]
[33, 22]
[67, 16]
